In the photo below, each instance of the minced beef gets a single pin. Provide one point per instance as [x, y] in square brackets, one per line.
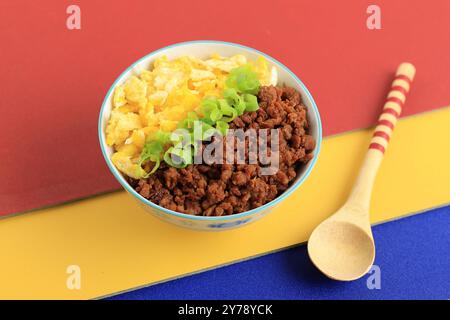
[225, 189]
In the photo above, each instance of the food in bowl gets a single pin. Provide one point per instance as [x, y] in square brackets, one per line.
[217, 95]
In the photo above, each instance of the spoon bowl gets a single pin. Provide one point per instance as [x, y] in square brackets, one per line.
[341, 250]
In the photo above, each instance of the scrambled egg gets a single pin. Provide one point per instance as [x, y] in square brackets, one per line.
[158, 99]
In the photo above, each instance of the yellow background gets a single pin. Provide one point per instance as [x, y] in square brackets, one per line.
[118, 246]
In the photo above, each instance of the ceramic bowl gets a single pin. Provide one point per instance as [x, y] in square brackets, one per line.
[204, 49]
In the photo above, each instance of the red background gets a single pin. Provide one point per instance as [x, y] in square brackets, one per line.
[53, 80]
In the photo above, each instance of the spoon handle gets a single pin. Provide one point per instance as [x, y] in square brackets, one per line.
[361, 192]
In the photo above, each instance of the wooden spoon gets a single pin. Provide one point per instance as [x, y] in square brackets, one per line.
[342, 246]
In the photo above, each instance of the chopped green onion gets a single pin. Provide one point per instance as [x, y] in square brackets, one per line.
[182, 155]
[207, 131]
[244, 80]
[231, 95]
[227, 110]
[207, 106]
[240, 107]
[152, 152]
[251, 102]
[215, 115]
[222, 127]
[168, 155]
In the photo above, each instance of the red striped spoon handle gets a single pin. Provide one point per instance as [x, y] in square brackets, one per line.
[386, 123]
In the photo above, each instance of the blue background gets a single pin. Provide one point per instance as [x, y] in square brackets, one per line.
[413, 255]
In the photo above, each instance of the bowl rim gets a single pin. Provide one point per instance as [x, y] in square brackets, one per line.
[272, 203]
